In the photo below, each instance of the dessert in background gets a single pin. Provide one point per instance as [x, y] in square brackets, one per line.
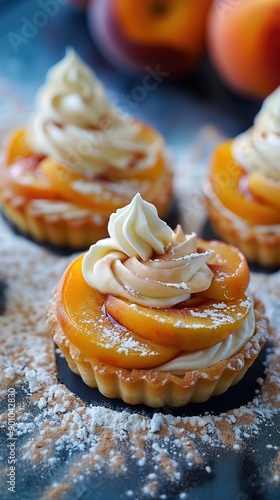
[243, 187]
[161, 317]
[77, 160]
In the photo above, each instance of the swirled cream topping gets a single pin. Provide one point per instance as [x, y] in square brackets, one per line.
[258, 148]
[145, 261]
[75, 124]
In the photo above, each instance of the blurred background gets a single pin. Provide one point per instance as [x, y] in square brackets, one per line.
[196, 70]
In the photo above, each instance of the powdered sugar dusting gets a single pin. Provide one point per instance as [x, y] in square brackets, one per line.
[80, 447]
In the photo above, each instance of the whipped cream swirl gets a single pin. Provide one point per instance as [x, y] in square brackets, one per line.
[145, 261]
[258, 148]
[75, 124]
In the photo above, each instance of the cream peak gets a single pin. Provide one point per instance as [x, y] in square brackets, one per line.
[138, 230]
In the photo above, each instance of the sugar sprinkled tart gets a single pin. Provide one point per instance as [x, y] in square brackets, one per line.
[154, 316]
[77, 160]
[243, 187]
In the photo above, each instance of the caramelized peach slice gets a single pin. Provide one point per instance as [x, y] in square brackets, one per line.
[266, 189]
[21, 170]
[146, 169]
[77, 189]
[230, 268]
[187, 328]
[228, 180]
[16, 147]
[25, 178]
[80, 311]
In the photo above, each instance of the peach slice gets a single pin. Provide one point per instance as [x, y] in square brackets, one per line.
[227, 180]
[188, 328]
[230, 268]
[25, 178]
[146, 169]
[77, 189]
[80, 311]
[21, 170]
[16, 147]
[266, 189]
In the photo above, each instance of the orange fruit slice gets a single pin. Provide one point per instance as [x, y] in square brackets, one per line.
[16, 147]
[87, 325]
[187, 328]
[228, 180]
[230, 268]
[266, 189]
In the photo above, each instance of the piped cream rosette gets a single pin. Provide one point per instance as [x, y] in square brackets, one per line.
[75, 124]
[121, 265]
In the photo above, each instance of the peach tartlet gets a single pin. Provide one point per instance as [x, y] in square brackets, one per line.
[77, 160]
[154, 316]
[243, 187]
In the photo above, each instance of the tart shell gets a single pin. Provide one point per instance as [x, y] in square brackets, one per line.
[259, 244]
[54, 229]
[60, 229]
[156, 389]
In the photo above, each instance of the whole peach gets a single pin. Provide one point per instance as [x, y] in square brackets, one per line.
[134, 35]
[243, 39]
